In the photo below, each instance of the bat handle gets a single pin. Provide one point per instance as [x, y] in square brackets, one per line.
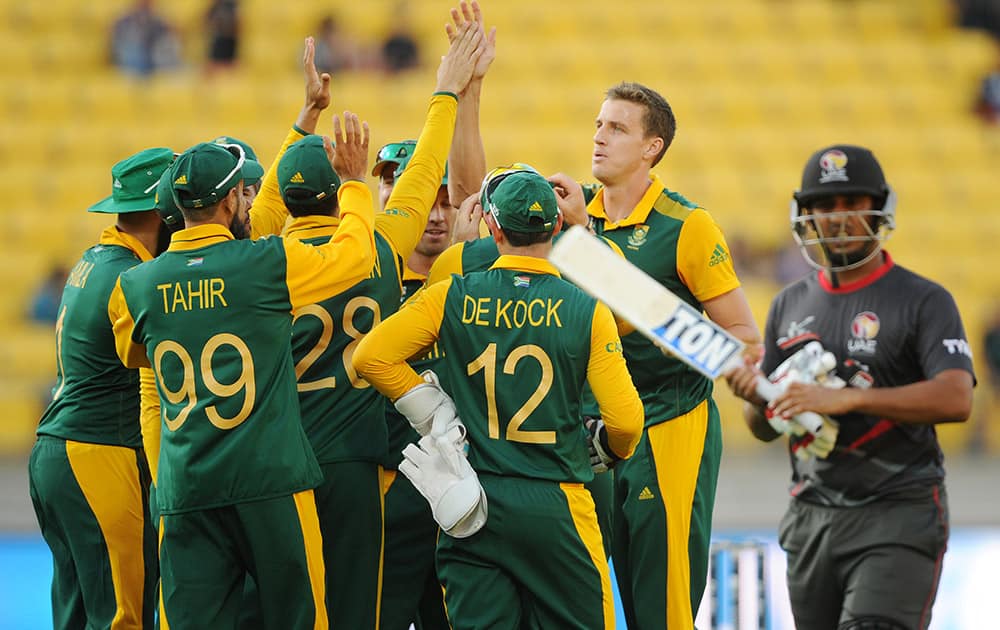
[768, 390]
[810, 421]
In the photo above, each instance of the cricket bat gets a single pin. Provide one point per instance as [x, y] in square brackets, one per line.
[655, 311]
[668, 321]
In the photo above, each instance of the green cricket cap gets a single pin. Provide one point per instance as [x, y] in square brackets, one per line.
[253, 170]
[168, 209]
[394, 153]
[306, 168]
[204, 174]
[521, 201]
[133, 182]
[402, 167]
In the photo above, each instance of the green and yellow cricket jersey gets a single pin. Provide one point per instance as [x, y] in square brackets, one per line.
[678, 244]
[342, 413]
[96, 398]
[213, 316]
[515, 359]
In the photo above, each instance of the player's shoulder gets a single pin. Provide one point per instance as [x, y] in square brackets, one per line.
[676, 206]
[912, 284]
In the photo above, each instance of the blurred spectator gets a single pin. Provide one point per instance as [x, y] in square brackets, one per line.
[790, 265]
[142, 42]
[222, 26]
[45, 303]
[979, 436]
[337, 51]
[984, 15]
[399, 49]
[988, 100]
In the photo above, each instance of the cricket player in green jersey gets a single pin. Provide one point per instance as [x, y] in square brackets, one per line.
[516, 356]
[665, 494]
[342, 414]
[87, 473]
[212, 316]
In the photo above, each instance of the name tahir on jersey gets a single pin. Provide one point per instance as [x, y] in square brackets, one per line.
[205, 293]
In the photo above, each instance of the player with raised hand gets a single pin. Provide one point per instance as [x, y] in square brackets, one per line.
[342, 414]
[515, 361]
[213, 317]
[874, 506]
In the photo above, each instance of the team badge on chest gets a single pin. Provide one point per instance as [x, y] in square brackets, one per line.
[638, 236]
[864, 329]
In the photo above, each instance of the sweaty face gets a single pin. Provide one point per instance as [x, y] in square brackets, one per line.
[619, 141]
[437, 235]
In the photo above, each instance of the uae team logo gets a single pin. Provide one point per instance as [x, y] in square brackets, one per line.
[833, 166]
[864, 329]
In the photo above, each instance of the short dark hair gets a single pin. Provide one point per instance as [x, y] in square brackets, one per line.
[524, 239]
[302, 203]
[199, 214]
[659, 117]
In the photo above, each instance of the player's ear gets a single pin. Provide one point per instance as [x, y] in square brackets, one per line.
[495, 230]
[653, 147]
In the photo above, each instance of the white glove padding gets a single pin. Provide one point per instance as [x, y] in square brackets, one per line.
[427, 406]
[602, 457]
[438, 468]
[812, 434]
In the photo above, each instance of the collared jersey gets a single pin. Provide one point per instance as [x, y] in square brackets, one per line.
[343, 415]
[213, 317]
[890, 329]
[96, 398]
[519, 343]
[679, 245]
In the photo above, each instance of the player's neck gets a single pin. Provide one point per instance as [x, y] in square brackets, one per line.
[143, 227]
[420, 263]
[537, 250]
[621, 198]
[854, 275]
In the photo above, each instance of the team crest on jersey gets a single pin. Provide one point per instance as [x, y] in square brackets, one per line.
[833, 167]
[522, 281]
[864, 329]
[638, 236]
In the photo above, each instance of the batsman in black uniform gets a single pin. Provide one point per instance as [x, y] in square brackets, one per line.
[867, 526]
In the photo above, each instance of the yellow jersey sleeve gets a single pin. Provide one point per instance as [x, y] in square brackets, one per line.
[381, 356]
[316, 272]
[447, 263]
[611, 383]
[413, 196]
[149, 418]
[132, 354]
[268, 214]
[703, 260]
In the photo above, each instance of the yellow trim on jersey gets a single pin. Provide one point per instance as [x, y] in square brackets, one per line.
[114, 236]
[611, 383]
[530, 264]
[109, 480]
[149, 419]
[164, 623]
[409, 274]
[639, 213]
[388, 477]
[447, 263]
[413, 196]
[316, 273]
[581, 509]
[703, 260]
[305, 505]
[677, 447]
[268, 213]
[381, 356]
[132, 354]
[381, 549]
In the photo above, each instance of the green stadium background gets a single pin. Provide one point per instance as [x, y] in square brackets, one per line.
[756, 85]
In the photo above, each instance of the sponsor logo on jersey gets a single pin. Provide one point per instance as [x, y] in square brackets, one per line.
[719, 256]
[646, 494]
[522, 281]
[864, 329]
[798, 332]
[638, 236]
[297, 178]
[833, 167]
[958, 346]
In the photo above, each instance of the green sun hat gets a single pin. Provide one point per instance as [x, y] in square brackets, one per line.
[305, 167]
[402, 167]
[393, 153]
[253, 170]
[133, 182]
[521, 201]
[204, 174]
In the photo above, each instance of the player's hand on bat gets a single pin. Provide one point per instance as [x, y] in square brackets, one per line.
[470, 12]
[800, 397]
[569, 197]
[742, 380]
[350, 160]
[456, 67]
[467, 219]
